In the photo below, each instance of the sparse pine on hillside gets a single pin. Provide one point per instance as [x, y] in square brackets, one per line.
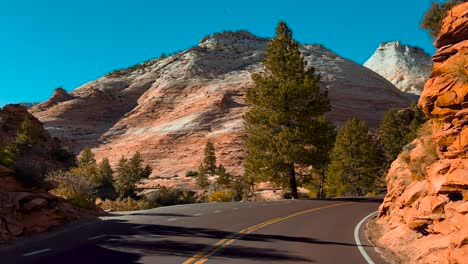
[209, 160]
[201, 179]
[224, 178]
[354, 165]
[128, 174]
[86, 158]
[285, 106]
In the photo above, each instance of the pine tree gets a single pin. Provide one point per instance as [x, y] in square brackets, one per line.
[286, 107]
[129, 173]
[398, 128]
[209, 161]
[105, 173]
[201, 179]
[86, 158]
[125, 181]
[224, 178]
[146, 172]
[354, 163]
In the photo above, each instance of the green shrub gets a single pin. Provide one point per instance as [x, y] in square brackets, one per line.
[170, 196]
[8, 156]
[75, 187]
[191, 173]
[221, 196]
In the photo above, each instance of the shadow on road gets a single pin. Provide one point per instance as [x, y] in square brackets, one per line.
[129, 245]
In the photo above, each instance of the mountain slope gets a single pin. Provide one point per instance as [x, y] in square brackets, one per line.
[408, 68]
[169, 107]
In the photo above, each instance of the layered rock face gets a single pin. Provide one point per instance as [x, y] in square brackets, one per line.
[408, 68]
[170, 107]
[425, 213]
[26, 209]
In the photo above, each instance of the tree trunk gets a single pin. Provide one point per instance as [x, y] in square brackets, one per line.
[292, 181]
[322, 185]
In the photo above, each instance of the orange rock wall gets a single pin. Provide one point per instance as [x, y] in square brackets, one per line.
[425, 215]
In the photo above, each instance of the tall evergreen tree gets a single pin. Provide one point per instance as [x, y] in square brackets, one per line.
[105, 173]
[286, 108]
[354, 161]
[201, 179]
[209, 160]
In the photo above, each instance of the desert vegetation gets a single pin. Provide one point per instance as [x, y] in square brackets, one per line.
[433, 17]
[218, 184]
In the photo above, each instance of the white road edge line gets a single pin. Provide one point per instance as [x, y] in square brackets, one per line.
[172, 219]
[217, 211]
[197, 214]
[140, 226]
[358, 240]
[36, 252]
[94, 237]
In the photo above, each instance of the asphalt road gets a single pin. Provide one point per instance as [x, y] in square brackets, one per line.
[299, 231]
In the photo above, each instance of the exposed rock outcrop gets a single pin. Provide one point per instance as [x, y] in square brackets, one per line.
[23, 211]
[170, 107]
[406, 67]
[25, 205]
[425, 213]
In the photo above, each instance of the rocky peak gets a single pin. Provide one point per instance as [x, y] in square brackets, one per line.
[59, 96]
[406, 67]
[231, 39]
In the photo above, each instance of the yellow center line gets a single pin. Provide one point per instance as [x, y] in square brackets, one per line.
[202, 256]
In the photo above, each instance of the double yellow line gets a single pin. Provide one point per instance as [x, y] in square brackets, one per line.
[203, 256]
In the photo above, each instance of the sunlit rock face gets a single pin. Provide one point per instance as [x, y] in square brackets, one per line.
[425, 215]
[406, 67]
[168, 108]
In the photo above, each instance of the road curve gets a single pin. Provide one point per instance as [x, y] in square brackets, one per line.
[299, 231]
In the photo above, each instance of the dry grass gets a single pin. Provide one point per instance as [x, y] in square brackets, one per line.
[126, 204]
[418, 165]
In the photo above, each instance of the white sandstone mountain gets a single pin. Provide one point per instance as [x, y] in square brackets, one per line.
[407, 67]
[168, 108]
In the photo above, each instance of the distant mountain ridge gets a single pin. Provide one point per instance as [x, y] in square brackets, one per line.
[168, 108]
[406, 67]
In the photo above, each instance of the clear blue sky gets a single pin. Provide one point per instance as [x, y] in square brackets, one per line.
[49, 43]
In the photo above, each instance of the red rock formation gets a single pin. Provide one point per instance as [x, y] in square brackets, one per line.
[23, 211]
[169, 108]
[425, 213]
[26, 209]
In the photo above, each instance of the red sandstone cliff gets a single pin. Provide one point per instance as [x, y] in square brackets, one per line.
[425, 213]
